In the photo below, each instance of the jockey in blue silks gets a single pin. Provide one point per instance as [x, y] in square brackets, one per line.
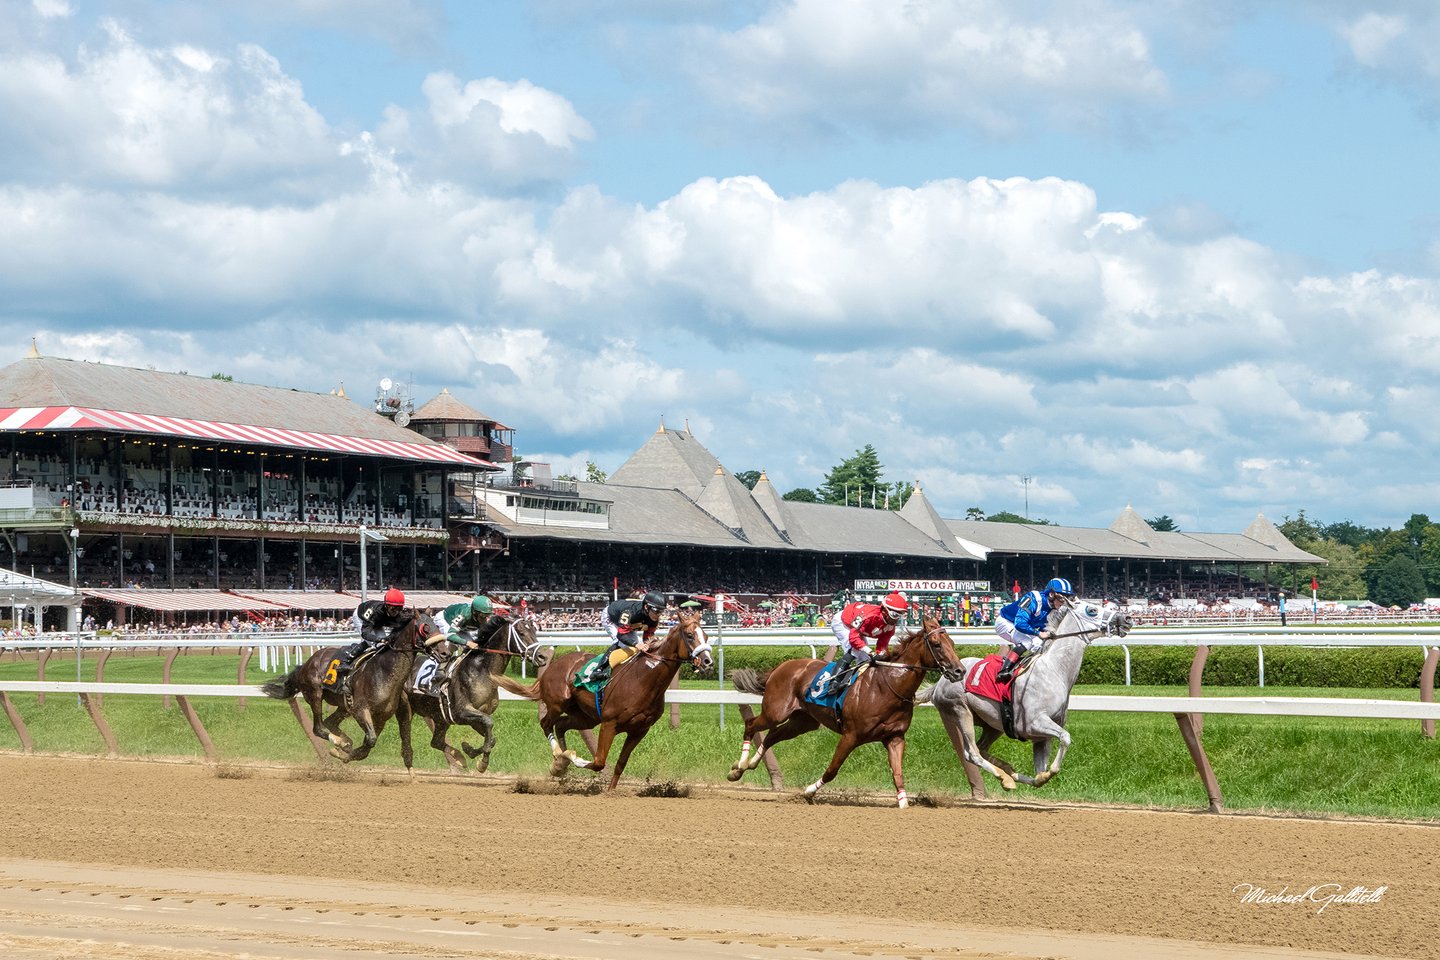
[1022, 623]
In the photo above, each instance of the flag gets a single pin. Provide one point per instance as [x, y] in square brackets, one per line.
[1314, 584]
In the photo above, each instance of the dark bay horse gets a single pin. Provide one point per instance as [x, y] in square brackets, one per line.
[472, 694]
[631, 702]
[877, 710]
[377, 692]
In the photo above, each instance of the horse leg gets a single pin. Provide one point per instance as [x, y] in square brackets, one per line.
[367, 725]
[960, 725]
[843, 749]
[563, 755]
[755, 728]
[483, 724]
[403, 719]
[453, 760]
[631, 739]
[895, 748]
[602, 750]
[1046, 730]
[1007, 772]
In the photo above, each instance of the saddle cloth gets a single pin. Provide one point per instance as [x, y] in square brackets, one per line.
[981, 680]
[822, 693]
[331, 679]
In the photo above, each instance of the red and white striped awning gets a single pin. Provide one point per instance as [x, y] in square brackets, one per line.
[89, 418]
[181, 600]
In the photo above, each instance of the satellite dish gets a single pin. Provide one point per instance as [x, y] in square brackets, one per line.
[386, 384]
[402, 419]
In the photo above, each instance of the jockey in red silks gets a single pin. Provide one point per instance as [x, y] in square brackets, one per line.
[862, 624]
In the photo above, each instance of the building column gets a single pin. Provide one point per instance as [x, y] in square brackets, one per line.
[340, 564]
[304, 579]
[260, 561]
[170, 483]
[170, 559]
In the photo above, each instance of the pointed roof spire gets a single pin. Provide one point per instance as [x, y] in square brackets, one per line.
[341, 392]
[1261, 530]
[1133, 526]
[921, 514]
[34, 353]
[662, 424]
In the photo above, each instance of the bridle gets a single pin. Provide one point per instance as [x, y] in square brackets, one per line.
[688, 629]
[933, 645]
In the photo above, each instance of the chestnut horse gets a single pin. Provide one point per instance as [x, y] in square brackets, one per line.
[877, 710]
[472, 695]
[630, 703]
[377, 692]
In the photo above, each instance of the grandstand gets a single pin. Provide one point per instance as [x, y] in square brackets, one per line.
[121, 480]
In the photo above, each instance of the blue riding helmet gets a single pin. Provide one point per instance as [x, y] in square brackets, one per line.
[1061, 586]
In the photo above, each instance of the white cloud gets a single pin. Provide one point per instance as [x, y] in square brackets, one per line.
[179, 118]
[52, 9]
[880, 65]
[488, 132]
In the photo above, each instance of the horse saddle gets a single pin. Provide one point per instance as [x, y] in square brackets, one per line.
[593, 673]
[340, 672]
[830, 687]
[982, 680]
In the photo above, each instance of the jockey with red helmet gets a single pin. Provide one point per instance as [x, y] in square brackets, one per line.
[860, 625]
[377, 620]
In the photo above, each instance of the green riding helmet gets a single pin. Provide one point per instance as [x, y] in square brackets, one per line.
[482, 606]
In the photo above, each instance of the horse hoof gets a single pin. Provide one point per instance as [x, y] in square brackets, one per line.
[734, 775]
[1042, 778]
[1008, 784]
[557, 767]
[482, 764]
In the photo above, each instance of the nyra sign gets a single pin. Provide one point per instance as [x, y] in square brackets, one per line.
[924, 586]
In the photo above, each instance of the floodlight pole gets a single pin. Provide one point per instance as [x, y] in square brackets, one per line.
[364, 575]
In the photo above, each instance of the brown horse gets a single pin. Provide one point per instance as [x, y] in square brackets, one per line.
[631, 702]
[471, 695]
[878, 708]
[377, 692]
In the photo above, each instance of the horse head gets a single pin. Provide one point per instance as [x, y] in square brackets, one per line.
[1089, 620]
[521, 638]
[692, 645]
[934, 650]
[411, 635]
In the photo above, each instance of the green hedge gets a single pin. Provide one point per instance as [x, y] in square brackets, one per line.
[1373, 667]
[1367, 667]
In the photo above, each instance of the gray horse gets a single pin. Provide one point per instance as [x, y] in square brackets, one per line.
[1041, 695]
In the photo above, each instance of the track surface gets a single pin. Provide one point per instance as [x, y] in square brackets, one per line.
[121, 859]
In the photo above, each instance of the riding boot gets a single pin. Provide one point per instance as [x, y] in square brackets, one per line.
[1009, 664]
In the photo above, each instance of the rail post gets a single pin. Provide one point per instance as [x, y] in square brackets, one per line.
[165, 674]
[200, 733]
[245, 654]
[1190, 731]
[1197, 669]
[322, 747]
[1427, 689]
[40, 674]
[21, 730]
[98, 718]
[99, 669]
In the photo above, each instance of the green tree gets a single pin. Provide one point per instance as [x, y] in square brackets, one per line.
[222, 376]
[1350, 534]
[1397, 582]
[1300, 531]
[974, 513]
[594, 474]
[749, 478]
[1005, 516]
[802, 495]
[853, 481]
[1163, 524]
[1343, 578]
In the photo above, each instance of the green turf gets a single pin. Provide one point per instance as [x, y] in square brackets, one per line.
[1363, 767]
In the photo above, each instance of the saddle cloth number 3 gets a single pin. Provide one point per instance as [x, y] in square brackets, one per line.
[332, 672]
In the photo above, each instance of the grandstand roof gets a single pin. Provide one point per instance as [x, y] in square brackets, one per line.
[674, 491]
[46, 393]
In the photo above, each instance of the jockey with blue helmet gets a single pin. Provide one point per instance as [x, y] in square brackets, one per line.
[1022, 623]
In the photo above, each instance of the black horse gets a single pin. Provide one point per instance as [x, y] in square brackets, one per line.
[377, 691]
[471, 695]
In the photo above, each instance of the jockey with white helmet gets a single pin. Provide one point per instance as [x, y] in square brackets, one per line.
[1022, 623]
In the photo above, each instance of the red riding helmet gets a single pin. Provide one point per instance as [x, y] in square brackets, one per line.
[394, 598]
[895, 602]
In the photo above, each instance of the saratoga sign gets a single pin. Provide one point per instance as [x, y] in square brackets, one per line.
[925, 586]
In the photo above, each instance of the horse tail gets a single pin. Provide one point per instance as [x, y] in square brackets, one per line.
[749, 681]
[925, 693]
[283, 688]
[530, 691]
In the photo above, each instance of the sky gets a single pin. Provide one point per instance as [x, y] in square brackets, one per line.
[1182, 255]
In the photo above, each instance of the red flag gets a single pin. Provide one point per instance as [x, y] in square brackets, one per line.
[1016, 588]
[1314, 585]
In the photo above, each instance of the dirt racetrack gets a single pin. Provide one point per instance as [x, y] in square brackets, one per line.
[168, 860]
